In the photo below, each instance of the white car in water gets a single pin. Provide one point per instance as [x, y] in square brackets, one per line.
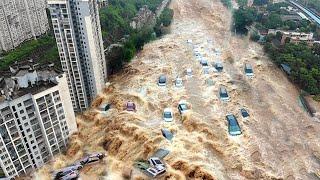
[179, 82]
[168, 115]
[189, 72]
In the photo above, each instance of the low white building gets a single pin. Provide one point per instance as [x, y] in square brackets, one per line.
[36, 119]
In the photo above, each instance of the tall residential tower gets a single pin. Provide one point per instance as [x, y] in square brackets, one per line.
[36, 117]
[77, 30]
[20, 21]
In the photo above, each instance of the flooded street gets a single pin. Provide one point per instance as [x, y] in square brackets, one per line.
[278, 141]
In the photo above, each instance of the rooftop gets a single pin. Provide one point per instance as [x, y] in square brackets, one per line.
[26, 77]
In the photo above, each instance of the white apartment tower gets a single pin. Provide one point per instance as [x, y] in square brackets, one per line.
[77, 30]
[36, 119]
[21, 20]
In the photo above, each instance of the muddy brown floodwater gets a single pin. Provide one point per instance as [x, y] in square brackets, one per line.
[279, 141]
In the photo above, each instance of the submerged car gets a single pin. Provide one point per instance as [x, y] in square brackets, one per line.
[65, 171]
[224, 96]
[218, 66]
[182, 107]
[156, 171]
[178, 82]
[189, 72]
[155, 161]
[244, 114]
[248, 70]
[162, 80]
[233, 125]
[167, 115]
[130, 106]
[204, 62]
[68, 175]
[91, 158]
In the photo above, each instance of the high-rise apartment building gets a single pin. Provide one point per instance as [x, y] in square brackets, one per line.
[36, 118]
[21, 20]
[77, 30]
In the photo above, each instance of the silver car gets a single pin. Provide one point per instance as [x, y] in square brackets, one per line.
[162, 80]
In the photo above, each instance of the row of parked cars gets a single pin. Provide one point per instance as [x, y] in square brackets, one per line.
[72, 172]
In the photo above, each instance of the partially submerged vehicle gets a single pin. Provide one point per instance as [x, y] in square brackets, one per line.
[189, 72]
[178, 82]
[204, 62]
[167, 134]
[182, 107]
[130, 106]
[65, 171]
[92, 158]
[248, 70]
[218, 66]
[162, 80]
[167, 115]
[157, 167]
[244, 114]
[104, 107]
[233, 125]
[223, 93]
[67, 175]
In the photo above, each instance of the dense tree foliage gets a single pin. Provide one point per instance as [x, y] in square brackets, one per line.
[260, 2]
[115, 24]
[242, 2]
[244, 17]
[227, 3]
[303, 61]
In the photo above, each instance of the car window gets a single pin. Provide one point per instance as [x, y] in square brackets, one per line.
[158, 161]
[244, 113]
[183, 106]
[249, 71]
[167, 115]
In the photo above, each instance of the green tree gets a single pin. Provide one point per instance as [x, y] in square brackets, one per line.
[244, 17]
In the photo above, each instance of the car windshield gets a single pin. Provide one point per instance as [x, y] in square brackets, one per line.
[167, 115]
[130, 105]
[249, 71]
[158, 161]
[183, 106]
[232, 120]
[162, 79]
[224, 95]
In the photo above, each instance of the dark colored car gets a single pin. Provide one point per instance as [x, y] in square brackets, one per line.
[244, 113]
[91, 158]
[162, 80]
[66, 174]
[233, 125]
[248, 70]
[223, 94]
[130, 106]
[218, 67]
[182, 107]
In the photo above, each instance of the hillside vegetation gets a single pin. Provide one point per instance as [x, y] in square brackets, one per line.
[115, 24]
[303, 59]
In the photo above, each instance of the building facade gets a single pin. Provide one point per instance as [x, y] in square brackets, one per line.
[36, 119]
[77, 30]
[20, 21]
